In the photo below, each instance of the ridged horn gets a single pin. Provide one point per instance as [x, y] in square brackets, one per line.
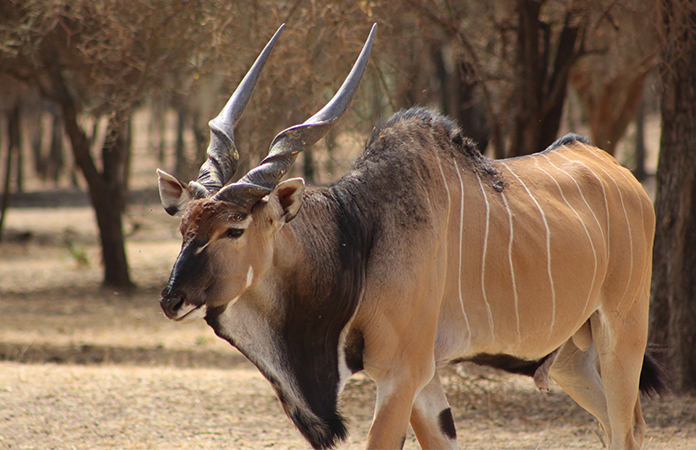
[284, 149]
[223, 157]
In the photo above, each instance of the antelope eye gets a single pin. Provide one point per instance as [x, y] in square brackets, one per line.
[234, 233]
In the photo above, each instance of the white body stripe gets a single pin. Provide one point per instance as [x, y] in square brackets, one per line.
[461, 236]
[589, 238]
[512, 268]
[548, 245]
[642, 219]
[607, 239]
[483, 259]
[628, 226]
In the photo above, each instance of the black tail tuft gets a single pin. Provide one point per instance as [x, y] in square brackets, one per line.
[652, 378]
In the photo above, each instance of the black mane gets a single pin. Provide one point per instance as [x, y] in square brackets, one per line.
[569, 139]
[419, 120]
[394, 155]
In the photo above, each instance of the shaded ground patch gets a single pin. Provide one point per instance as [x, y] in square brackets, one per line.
[86, 354]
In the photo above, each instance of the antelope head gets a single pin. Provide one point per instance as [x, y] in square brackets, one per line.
[227, 229]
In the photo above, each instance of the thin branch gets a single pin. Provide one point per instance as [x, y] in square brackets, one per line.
[383, 82]
[291, 11]
[606, 12]
[463, 39]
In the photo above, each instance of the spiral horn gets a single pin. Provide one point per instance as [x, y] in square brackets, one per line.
[284, 149]
[223, 158]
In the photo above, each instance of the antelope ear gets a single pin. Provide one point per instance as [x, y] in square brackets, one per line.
[174, 194]
[288, 195]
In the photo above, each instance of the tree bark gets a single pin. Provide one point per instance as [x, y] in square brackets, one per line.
[673, 308]
[109, 202]
[611, 107]
[105, 187]
[458, 96]
[308, 166]
[180, 163]
[639, 170]
[13, 147]
[540, 85]
[55, 155]
[37, 131]
[14, 129]
[527, 112]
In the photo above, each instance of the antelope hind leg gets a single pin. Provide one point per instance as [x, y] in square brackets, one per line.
[620, 347]
[431, 417]
[576, 371]
[582, 340]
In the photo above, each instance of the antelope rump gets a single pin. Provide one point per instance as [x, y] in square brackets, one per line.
[425, 254]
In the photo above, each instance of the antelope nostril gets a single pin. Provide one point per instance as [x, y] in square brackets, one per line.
[170, 305]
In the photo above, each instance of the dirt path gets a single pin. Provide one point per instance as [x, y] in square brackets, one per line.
[84, 368]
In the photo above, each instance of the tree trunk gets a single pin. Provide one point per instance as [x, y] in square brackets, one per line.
[13, 148]
[556, 87]
[180, 163]
[125, 140]
[105, 187]
[155, 133]
[540, 84]
[308, 169]
[673, 308]
[109, 203]
[611, 107]
[37, 130]
[14, 129]
[110, 223]
[161, 114]
[528, 80]
[55, 155]
[639, 170]
[330, 140]
[5, 199]
[458, 96]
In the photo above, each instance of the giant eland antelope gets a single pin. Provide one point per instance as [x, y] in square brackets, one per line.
[425, 254]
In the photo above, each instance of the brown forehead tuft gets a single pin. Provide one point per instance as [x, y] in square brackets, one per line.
[202, 216]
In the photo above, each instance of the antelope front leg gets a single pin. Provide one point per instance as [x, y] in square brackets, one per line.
[398, 385]
[395, 397]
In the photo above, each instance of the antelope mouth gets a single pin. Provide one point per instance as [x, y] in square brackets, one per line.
[189, 313]
[185, 313]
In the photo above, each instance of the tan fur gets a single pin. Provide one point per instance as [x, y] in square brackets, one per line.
[548, 254]
[583, 337]
[597, 223]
